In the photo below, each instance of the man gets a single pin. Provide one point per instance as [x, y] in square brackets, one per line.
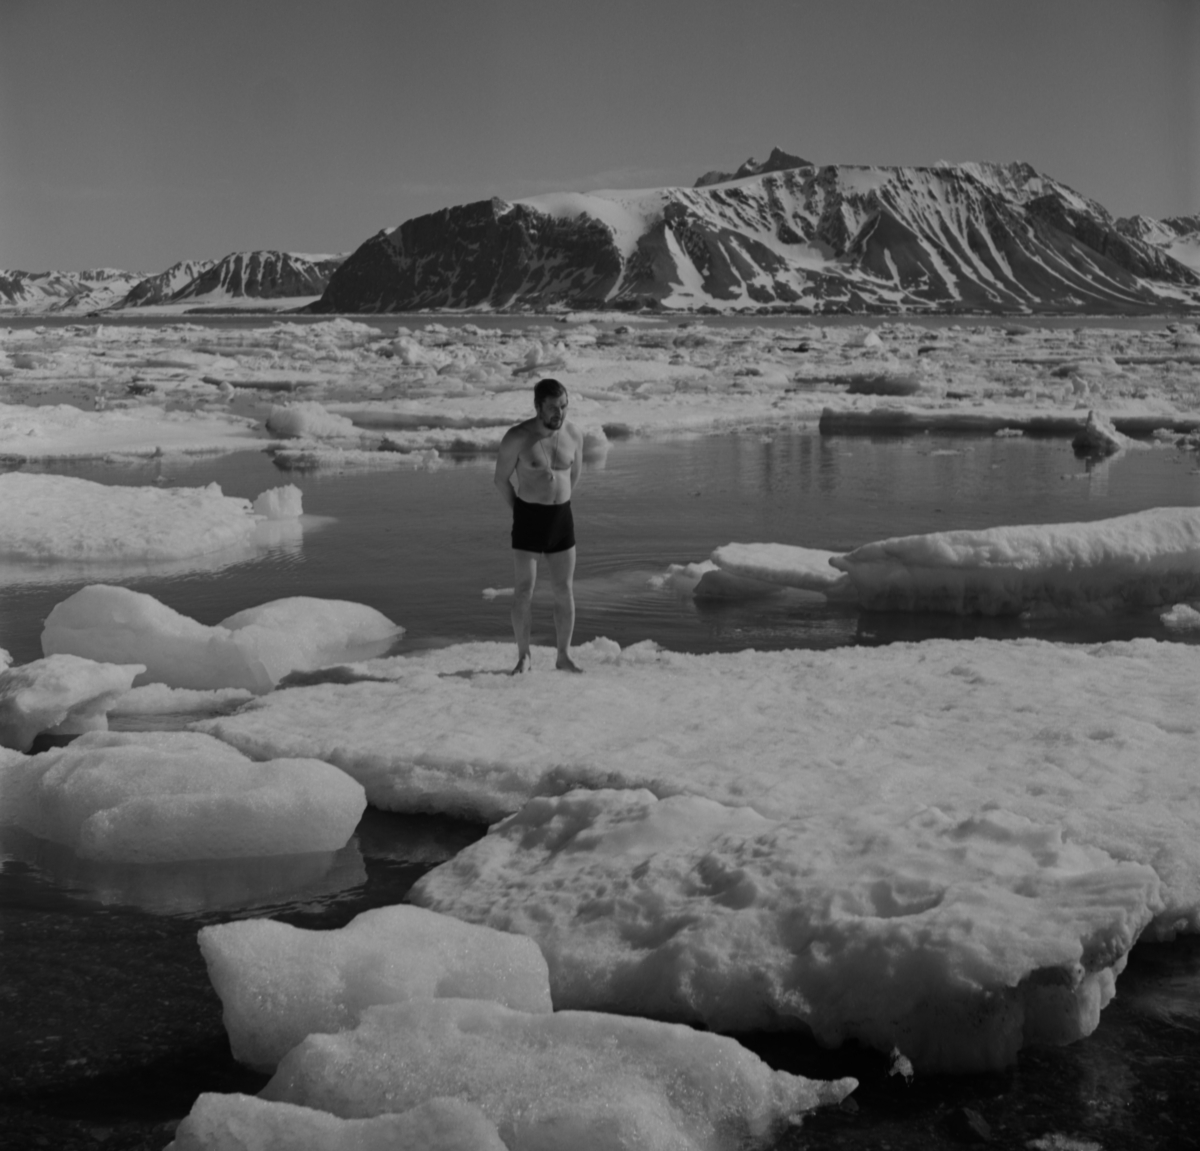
[545, 453]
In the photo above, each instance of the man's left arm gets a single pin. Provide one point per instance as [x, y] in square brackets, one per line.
[577, 461]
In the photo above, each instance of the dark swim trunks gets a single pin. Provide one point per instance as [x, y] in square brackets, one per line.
[542, 528]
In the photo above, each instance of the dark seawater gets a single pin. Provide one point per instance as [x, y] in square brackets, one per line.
[110, 1027]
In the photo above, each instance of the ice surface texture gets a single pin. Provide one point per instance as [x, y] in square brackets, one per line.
[51, 519]
[280, 983]
[1144, 559]
[246, 1123]
[936, 753]
[570, 1079]
[63, 693]
[956, 940]
[252, 649]
[146, 797]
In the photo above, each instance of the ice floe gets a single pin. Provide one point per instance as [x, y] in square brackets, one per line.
[246, 1123]
[279, 983]
[252, 649]
[571, 1078]
[964, 781]
[1140, 560]
[956, 940]
[62, 695]
[59, 527]
[149, 797]
[790, 566]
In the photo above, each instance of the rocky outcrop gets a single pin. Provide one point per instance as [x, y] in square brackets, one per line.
[777, 161]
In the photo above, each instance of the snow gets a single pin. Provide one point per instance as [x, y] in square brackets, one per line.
[967, 771]
[152, 797]
[568, 1079]
[957, 940]
[158, 699]
[1137, 560]
[279, 983]
[64, 695]
[60, 431]
[252, 649]
[246, 1123]
[61, 527]
[785, 564]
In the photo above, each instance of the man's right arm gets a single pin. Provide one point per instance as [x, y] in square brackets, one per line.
[506, 463]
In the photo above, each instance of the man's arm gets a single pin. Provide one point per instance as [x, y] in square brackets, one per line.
[506, 464]
[577, 462]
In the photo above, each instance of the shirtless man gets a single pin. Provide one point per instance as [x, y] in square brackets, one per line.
[546, 455]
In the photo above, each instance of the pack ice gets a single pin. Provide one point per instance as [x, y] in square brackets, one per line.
[63, 694]
[279, 983]
[567, 1079]
[148, 797]
[1016, 815]
[252, 649]
[246, 1123]
[74, 523]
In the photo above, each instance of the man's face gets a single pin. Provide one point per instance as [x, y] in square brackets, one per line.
[553, 412]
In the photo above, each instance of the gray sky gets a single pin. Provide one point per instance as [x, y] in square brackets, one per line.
[134, 133]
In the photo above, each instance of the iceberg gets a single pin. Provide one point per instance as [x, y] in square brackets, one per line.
[154, 797]
[279, 983]
[245, 1123]
[252, 649]
[957, 940]
[63, 694]
[567, 1079]
[1142, 560]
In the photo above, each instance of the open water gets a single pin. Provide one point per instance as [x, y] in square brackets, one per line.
[110, 1025]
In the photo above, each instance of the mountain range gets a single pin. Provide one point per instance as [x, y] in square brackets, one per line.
[781, 235]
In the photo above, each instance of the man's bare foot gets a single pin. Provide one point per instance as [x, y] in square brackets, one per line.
[565, 663]
[524, 663]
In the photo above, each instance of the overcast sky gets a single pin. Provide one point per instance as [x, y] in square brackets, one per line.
[134, 133]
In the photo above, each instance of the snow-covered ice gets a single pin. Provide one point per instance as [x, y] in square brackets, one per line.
[956, 939]
[247, 1123]
[1144, 559]
[59, 527]
[985, 772]
[252, 649]
[785, 564]
[567, 1079]
[62, 694]
[279, 983]
[149, 797]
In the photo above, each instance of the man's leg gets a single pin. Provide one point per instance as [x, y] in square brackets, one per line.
[524, 577]
[562, 575]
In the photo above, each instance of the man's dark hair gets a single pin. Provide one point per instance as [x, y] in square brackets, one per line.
[545, 389]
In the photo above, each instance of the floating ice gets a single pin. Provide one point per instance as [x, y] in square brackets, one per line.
[65, 525]
[956, 939]
[310, 421]
[58, 431]
[158, 699]
[807, 568]
[1099, 437]
[280, 983]
[569, 1079]
[1181, 617]
[252, 649]
[246, 1123]
[147, 797]
[1133, 561]
[63, 694]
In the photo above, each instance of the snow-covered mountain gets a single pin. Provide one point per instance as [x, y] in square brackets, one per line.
[834, 238]
[75, 292]
[1178, 236]
[239, 278]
